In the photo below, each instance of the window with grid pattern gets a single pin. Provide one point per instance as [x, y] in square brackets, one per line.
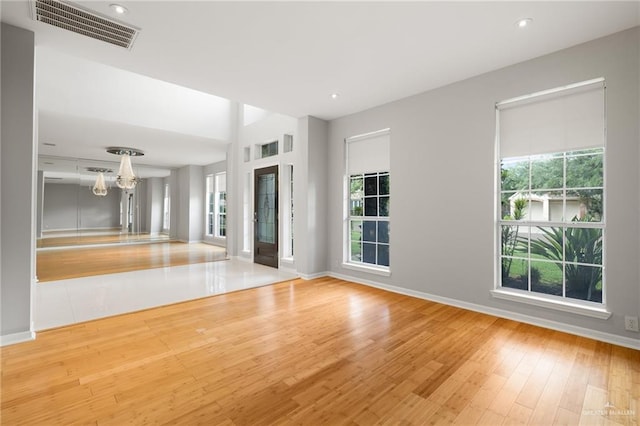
[367, 230]
[551, 223]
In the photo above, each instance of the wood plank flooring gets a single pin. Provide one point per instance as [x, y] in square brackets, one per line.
[316, 352]
[97, 238]
[76, 262]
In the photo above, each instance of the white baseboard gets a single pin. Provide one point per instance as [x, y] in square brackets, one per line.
[317, 275]
[214, 243]
[288, 268]
[12, 339]
[242, 258]
[553, 325]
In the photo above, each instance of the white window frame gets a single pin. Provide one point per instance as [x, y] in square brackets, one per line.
[209, 206]
[562, 303]
[166, 208]
[247, 213]
[218, 204]
[287, 212]
[347, 262]
[259, 148]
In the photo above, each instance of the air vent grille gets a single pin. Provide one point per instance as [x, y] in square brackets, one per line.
[90, 24]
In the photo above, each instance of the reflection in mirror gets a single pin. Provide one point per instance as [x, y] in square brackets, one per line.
[71, 212]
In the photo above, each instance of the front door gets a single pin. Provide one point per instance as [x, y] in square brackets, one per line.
[265, 216]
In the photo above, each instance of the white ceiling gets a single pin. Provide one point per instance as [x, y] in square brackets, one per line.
[286, 57]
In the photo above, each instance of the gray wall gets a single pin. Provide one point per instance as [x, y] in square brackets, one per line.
[442, 179]
[310, 197]
[172, 180]
[17, 179]
[69, 206]
[154, 205]
[191, 203]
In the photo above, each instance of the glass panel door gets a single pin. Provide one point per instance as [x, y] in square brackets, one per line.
[266, 216]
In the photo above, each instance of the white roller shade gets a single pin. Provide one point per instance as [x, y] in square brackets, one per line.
[558, 120]
[221, 182]
[368, 153]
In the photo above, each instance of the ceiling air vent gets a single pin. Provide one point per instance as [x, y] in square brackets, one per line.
[82, 21]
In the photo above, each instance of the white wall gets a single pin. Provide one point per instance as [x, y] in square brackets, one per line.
[18, 183]
[234, 216]
[442, 146]
[271, 127]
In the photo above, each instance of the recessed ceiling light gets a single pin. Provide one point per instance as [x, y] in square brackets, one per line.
[119, 9]
[524, 22]
[335, 95]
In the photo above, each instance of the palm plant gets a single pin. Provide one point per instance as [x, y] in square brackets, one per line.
[510, 237]
[581, 245]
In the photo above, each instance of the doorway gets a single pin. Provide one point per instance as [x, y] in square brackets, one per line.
[265, 216]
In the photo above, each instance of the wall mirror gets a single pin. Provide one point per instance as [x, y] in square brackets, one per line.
[70, 213]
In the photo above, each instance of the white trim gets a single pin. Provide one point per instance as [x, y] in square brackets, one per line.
[564, 305]
[385, 272]
[368, 135]
[120, 244]
[214, 243]
[539, 322]
[258, 149]
[12, 339]
[550, 91]
[288, 268]
[308, 277]
[242, 258]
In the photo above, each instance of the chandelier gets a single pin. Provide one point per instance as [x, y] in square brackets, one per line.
[125, 178]
[100, 187]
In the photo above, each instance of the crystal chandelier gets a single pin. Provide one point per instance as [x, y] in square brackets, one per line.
[125, 178]
[100, 187]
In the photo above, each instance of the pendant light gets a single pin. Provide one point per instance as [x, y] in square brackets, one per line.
[99, 187]
[125, 178]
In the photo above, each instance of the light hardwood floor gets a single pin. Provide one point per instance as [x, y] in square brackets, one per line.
[54, 239]
[316, 352]
[61, 264]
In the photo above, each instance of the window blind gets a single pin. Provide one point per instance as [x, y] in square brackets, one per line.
[221, 182]
[558, 120]
[368, 153]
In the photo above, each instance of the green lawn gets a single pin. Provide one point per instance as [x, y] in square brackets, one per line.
[550, 275]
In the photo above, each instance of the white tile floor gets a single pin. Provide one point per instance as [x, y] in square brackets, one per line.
[65, 302]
